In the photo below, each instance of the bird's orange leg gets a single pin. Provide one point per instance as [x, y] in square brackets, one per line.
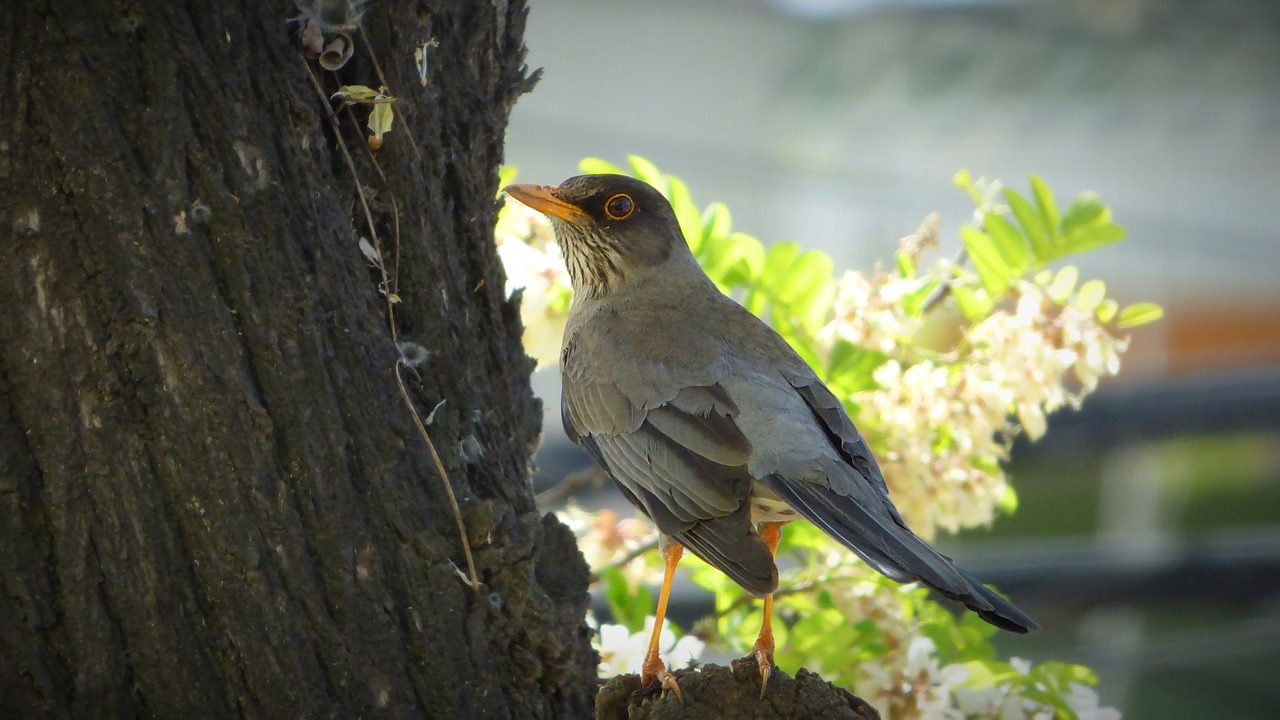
[653, 666]
[763, 650]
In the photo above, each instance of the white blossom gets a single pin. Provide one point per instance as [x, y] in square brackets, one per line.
[622, 651]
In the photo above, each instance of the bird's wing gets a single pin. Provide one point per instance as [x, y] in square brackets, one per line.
[852, 505]
[835, 422]
[682, 461]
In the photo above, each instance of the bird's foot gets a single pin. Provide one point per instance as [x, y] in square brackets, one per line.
[658, 671]
[764, 659]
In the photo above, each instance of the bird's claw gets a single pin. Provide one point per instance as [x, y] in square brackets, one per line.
[764, 659]
[669, 683]
[666, 680]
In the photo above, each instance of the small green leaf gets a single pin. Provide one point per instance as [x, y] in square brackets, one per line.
[1044, 202]
[506, 176]
[716, 220]
[802, 536]
[988, 674]
[805, 277]
[783, 323]
[597, 166]
[732, 261]
[716, 256]
[645, 170]
[1107, 310]
[1053, 700]
[1008, 502]
[1090, 295]
[752, 255]
[818, 303]
[1139, 314]
[852, 367]
[559, 298]
[1089, 238]
[964, 181]
[778, 260]
[1085, 209]
[628, 608]
[906, 265]
[1032, 222]
[987, 260]
[973, 301]
[1060, 675]
[913, 302]
[1063, 283]
[688, 214]
[1009, 242]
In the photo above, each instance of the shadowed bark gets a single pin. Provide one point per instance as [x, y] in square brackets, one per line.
[719, 693]
[213, 501]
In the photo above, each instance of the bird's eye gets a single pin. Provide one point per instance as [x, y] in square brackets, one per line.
[619, 207]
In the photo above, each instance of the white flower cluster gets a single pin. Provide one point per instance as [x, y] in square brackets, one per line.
[943, 420]
[605, 540]
[908, 681]
[622, 651]
[918, 689]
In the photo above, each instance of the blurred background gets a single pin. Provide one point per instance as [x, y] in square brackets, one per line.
[1147, 540]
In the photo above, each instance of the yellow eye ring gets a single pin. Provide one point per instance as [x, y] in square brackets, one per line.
[619, 207]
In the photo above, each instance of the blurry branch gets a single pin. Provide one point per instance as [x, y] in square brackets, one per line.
[572, 483]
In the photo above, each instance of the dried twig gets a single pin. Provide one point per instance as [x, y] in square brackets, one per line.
[572, 483]
[444, 476]
[387, 293]
[639, 550]
[364, 202]
[798, 589]
[940, 293]
[395, 270]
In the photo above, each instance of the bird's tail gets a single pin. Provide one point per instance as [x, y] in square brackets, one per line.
[888, 545]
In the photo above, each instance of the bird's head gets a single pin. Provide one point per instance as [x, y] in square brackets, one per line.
[614, 231]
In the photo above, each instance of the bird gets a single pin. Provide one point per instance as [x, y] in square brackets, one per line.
[707, 420]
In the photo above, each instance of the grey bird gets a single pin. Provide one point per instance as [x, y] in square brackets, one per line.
[705, 417]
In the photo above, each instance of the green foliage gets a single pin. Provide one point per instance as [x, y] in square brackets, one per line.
[629, 605]
[1139, 314]
[1014, 241]
[506, 176]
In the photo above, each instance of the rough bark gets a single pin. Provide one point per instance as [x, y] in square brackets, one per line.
[213, 502]
[719, 693]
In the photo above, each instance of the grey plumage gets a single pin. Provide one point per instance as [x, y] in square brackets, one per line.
[703, 415]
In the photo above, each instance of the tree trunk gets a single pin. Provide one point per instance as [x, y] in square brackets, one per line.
[213, 499]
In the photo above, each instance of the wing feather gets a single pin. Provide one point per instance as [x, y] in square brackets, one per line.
[683, 463]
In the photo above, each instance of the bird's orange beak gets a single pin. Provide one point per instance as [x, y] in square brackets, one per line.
[543, 199]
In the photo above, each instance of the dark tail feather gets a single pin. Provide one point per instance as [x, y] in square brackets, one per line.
[1002, 613]
[895, 551]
